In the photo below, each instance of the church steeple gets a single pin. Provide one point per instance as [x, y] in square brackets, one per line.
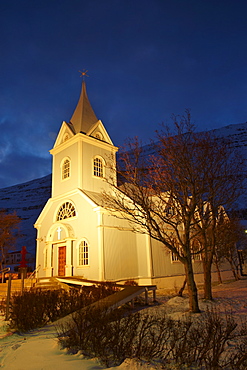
[81, 151]
[83, 118]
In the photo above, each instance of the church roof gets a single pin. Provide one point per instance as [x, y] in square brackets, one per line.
[97, 198]
[83, 118]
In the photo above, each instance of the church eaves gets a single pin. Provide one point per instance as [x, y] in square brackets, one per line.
[83, 118]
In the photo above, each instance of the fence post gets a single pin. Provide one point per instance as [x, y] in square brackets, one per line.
[8, 297]
[22, 281]
[146, 296]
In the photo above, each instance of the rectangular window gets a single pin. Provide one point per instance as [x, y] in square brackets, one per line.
[98, 167]
[174, 257]
[66, 169]
[84, 254]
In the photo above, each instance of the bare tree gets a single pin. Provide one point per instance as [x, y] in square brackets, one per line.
[223, 182]
[9, 227]
[230, 235]
[164, 193]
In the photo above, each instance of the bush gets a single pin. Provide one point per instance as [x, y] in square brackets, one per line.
[97, 333]
[33, 308]
[113, 337]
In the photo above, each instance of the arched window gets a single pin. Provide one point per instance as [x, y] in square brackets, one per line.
[65, 169]
[83, 253]
[98, 135]
[67, 210]
[98, 167]
[65, 137]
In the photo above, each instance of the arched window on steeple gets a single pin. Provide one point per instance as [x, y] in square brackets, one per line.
[98, 167]
[65, 168]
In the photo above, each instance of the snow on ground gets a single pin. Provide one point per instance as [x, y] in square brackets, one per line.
[38, 350]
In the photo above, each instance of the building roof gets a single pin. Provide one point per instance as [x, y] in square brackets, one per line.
[83, 118]
[97, 198]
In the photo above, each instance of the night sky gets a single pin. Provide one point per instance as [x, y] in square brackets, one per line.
[146, 60]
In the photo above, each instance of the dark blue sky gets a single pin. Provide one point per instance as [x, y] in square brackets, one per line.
[146, 60]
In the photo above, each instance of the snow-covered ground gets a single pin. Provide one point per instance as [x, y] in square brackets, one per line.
[39, 350]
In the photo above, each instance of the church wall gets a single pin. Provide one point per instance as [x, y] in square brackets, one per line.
[162, 263]
[120, 253]
[84, 225]
[170, 274]
[61, 186]
[43, 234]
[144, 257]
[90, 182]
[120, 249]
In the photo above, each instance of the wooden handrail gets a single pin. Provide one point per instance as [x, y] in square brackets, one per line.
[6, 269]
[34, 272]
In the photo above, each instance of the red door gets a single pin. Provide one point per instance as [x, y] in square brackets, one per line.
[61, 261]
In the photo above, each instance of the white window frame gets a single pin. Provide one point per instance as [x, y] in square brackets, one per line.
[83, 253]
[174, 258]
[65, 168]
[66, 208]
[98, 170]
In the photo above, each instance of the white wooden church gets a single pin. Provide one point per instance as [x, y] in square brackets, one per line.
[76, 236]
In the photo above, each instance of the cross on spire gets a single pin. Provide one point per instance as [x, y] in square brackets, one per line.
[83, 74]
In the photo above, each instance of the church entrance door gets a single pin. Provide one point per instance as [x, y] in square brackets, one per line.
[61, 260]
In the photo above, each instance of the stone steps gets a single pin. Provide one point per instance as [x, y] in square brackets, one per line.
[50, 284]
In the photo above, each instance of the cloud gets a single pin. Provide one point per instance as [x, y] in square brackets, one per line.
[17, 168]
[24, 152]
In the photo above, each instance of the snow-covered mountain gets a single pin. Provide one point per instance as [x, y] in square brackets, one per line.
[29, 198]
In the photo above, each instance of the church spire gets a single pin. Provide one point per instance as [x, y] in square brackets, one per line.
[83, 118]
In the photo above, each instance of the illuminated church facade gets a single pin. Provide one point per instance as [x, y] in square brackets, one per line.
[76, 236]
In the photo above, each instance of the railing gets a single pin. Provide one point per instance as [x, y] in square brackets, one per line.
[34, 272]
[6, 269]
[2, 272]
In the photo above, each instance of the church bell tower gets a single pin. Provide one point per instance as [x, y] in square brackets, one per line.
[82, 152]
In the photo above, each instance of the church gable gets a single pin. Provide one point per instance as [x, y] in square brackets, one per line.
[65, 133]
[99, 132]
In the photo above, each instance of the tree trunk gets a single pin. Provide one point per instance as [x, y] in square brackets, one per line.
[207, 281]
[192, 289]
[220, 281]
[235, 274]
[180, 293]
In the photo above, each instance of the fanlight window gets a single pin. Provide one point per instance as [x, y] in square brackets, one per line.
[67, 210]
[66, 169]
[98, 136]
[98, 167]
[83, 254]
[66, 137]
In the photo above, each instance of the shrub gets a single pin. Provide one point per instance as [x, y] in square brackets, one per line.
[97, 333]
[113, 337]
[34, 308]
